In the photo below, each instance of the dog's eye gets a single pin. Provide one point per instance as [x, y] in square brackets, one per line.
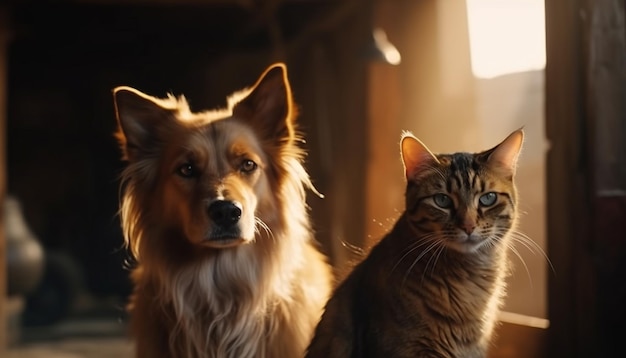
[248, 166]
[187, 170]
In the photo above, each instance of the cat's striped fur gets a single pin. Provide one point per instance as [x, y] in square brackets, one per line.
[432, 287]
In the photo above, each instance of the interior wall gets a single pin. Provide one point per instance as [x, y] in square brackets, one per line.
[433, 94]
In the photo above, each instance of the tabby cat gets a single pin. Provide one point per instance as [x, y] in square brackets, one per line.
[432, 286]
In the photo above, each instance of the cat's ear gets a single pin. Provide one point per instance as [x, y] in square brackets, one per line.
[269, 106]
[415, 155]
[503, 157]
[141, 120]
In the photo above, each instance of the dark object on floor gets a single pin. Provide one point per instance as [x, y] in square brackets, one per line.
[25, 257]
[55, 296]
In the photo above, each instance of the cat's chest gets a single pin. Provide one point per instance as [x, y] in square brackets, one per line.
[469, 291]
[461, 298]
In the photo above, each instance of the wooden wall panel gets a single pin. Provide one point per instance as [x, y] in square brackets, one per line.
[585, 113]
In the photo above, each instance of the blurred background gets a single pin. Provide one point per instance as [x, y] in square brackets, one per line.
[459, 74]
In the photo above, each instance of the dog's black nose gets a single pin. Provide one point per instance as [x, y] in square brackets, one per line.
[224, 213]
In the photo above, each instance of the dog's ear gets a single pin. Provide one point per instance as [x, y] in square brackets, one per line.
[141, 120]
[269, 106]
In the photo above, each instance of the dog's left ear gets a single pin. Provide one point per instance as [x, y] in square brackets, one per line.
[269, 107]
[143, 123]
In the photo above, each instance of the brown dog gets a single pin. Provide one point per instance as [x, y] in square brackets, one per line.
[213, 210]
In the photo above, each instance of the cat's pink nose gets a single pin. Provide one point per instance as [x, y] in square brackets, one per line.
[468, 227]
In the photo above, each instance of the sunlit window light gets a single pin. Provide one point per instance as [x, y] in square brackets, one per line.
[506, 36]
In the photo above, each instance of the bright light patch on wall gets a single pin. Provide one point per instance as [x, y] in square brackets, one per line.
[506, 36]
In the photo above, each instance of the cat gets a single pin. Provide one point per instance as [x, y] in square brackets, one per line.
[432, 287]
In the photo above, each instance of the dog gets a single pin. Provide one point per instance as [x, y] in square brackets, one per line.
[213, 211]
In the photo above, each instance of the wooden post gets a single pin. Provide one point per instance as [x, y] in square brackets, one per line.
[3, 81]
[585, 96]
[567, 222]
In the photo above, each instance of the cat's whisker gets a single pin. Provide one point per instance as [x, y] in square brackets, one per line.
[419, 242]
[519, 256]
[436, 256]
[523, 242]
[531, 246]
[504, 233]
[412, 247]
[436, 249]
[429, 248]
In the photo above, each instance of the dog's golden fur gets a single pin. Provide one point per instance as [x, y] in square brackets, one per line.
[245, 281]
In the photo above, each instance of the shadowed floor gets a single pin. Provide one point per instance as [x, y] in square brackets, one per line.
[92, 333]
[518, 337]
[75, 348]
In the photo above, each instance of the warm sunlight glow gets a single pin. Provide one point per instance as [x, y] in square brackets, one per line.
[506, 36]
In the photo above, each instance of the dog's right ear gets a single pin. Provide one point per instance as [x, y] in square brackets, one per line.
[269, 106]
[141, 120]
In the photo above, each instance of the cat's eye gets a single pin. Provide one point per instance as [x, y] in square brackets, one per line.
[488, 199]
[443, 201]
[187, 170]
[247, 166]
